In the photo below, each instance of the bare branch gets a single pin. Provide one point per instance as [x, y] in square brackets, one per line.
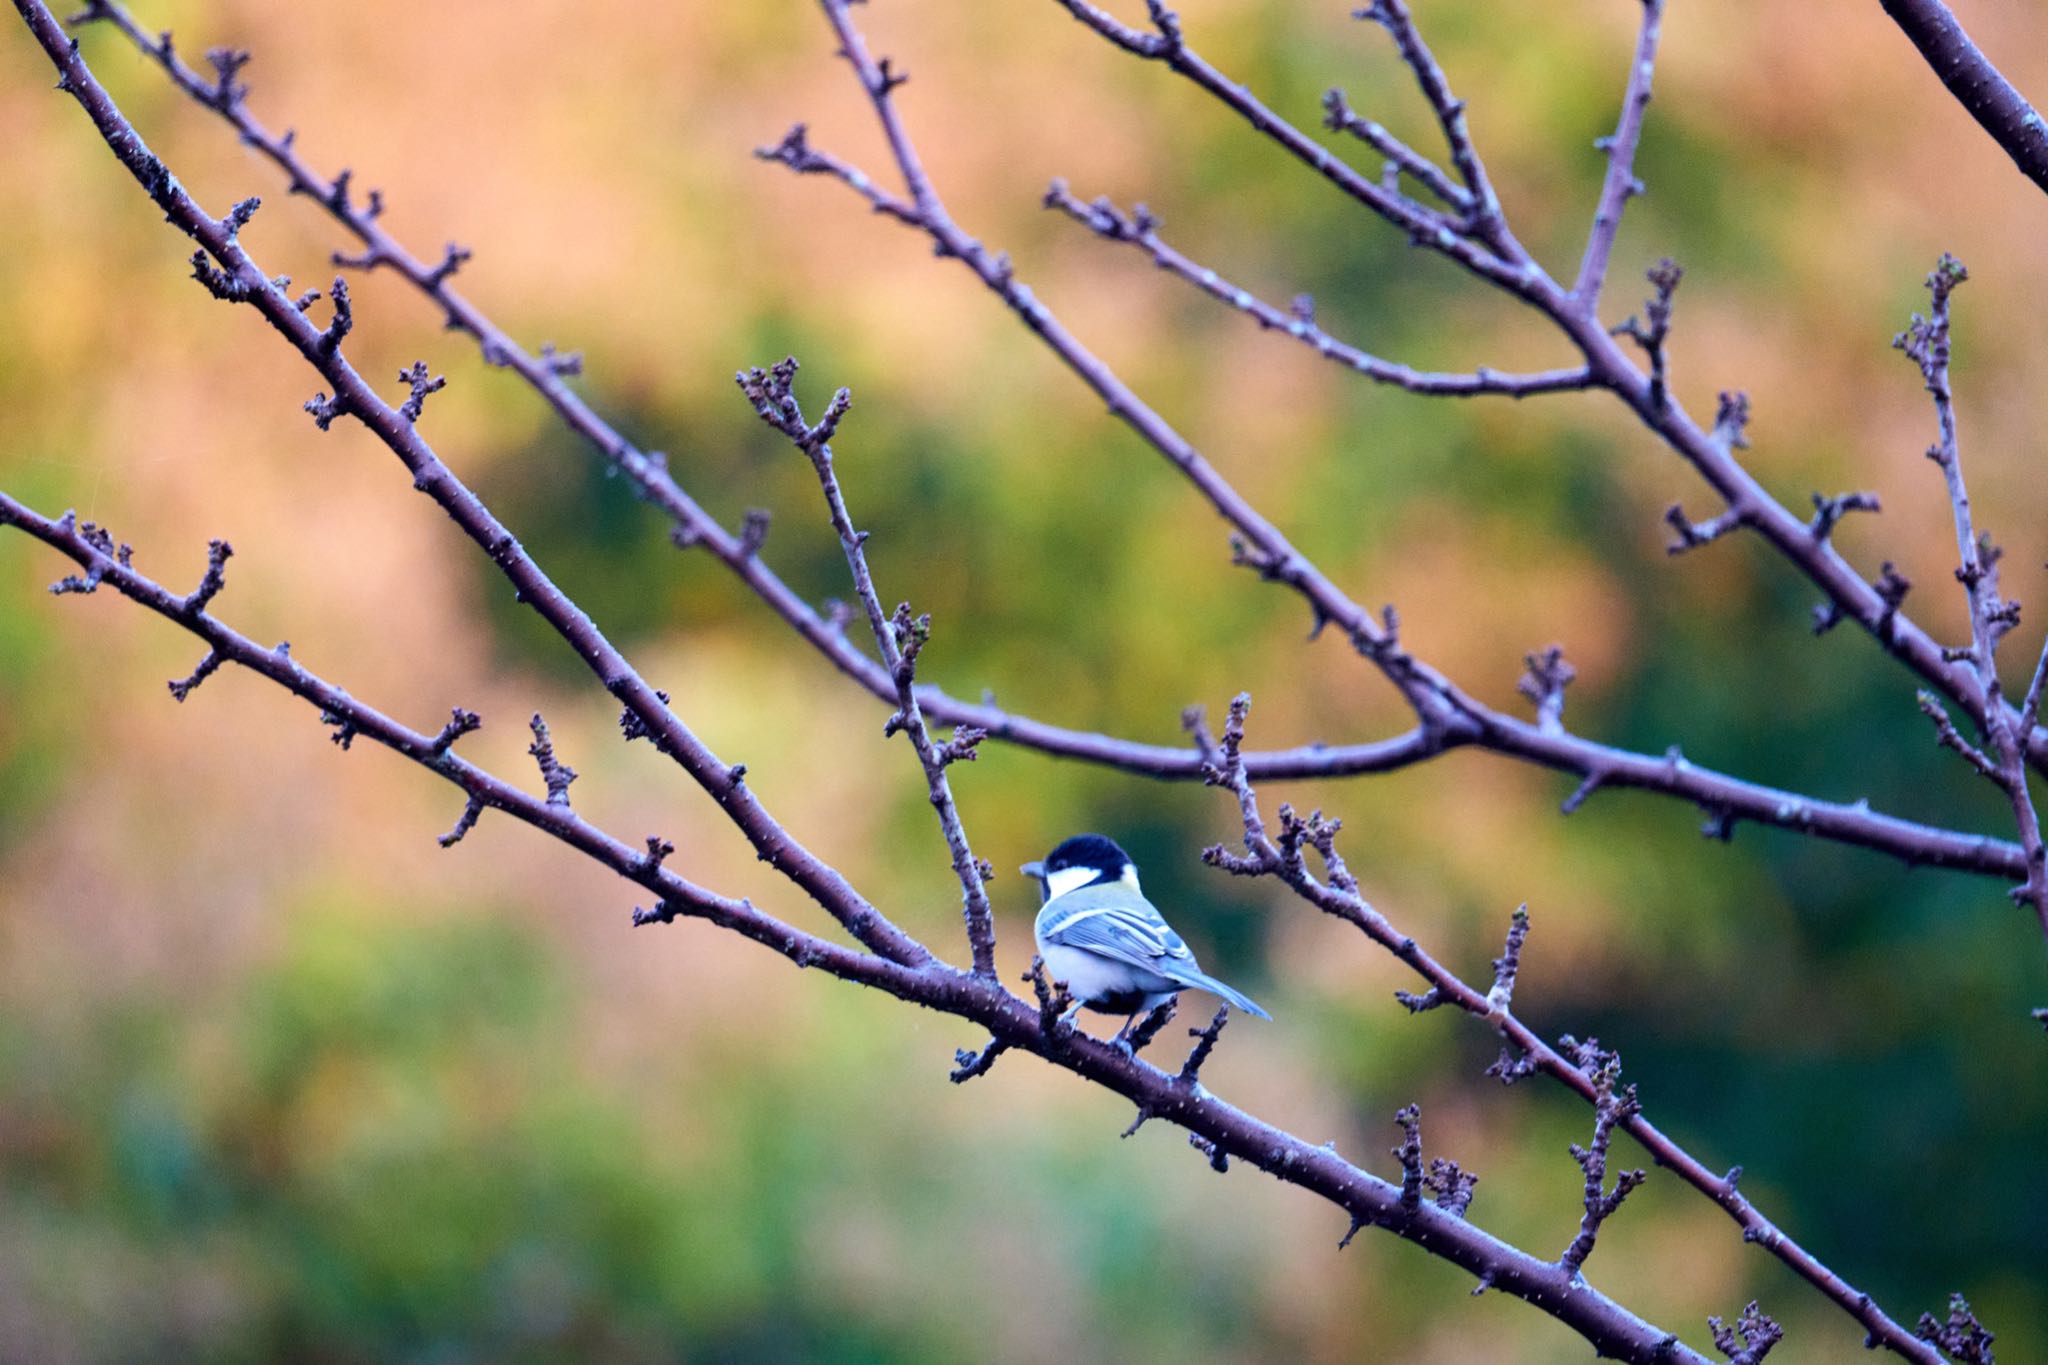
[1594, 764]
[967, 1065]
[415, 378]
[460, 723]
[1613, 1104]
[1505, 967]
[1447, 717]
[1543, 682]
[1393, 15]
[1829, 511]
[1620, 183]
[899, 639]
[1218, 1130]
[1710, 452]
[2003, 758]
[1167, 44]
[356, 398]
[555, 773]
[737, 551]
[1140, 229]
[1653, 329]
[1339, 117]
[1948, 737]
[1523, 1052]
[182, 688]
[1205, 1043]
[1489, 251]
[1999, 108]
[1693, 534]
[464, 823]
[218, 553]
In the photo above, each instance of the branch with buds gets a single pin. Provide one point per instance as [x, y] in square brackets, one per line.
[898, 638]
[2002, 758]
[1470, 230]
[1523, 1052]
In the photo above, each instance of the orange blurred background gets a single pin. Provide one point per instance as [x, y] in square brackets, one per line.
[280, 1076]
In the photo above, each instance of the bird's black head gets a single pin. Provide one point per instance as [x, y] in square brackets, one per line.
[1091, 854]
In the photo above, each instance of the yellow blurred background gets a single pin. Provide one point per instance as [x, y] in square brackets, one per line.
[278, 1076]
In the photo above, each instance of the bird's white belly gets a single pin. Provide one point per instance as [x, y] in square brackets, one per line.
[1090, 976]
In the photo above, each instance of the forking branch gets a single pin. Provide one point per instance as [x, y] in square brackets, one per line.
[234, 279]
[1478, 238]
[1722, 798]
[894, 962]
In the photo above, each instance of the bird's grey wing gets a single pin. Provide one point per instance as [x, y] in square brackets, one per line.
[1112, 921]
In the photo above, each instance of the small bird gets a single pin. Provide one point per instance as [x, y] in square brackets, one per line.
[1099, 934]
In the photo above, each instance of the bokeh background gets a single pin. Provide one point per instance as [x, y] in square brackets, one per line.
[279, 1077]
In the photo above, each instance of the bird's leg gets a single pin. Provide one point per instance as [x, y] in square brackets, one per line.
[1122, 1041]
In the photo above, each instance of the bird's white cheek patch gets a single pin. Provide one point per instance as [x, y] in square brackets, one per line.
[1067, 879]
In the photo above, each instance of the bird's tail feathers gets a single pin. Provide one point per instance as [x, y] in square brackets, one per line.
[1238, 999]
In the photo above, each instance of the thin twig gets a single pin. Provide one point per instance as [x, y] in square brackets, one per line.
[1222, 1131]
[1140, 229]
[899, 640]
[1447, 716]
[1620, 184]
[2002, 760]
[357, 398]
[1850, 596]
[1524, 1052]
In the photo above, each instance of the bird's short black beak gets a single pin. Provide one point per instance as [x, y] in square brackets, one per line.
[1034, 870]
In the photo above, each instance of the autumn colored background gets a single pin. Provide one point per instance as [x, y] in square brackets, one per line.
[278, 1076]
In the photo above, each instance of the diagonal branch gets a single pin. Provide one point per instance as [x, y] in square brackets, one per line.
[1140, 229]
[1620, 184]
[1524, 1052]
[1339, 117]
[1850, 595]
[547, 371]
[355, 397]
[1997, 105]
[432, 751]
[1447, 717]
[1219, 1129]
[899, 640]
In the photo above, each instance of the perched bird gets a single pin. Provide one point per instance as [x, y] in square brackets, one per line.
[1099, 934]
